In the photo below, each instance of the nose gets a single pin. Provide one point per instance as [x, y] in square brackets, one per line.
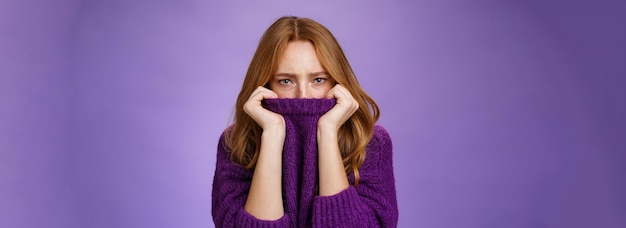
[302, 92]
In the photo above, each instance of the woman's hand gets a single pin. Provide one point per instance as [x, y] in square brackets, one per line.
[332, 176]
[344, 108]
[265, 118]
[265, 196]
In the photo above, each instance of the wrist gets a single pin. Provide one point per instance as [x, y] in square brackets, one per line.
[272, 142]
[327, 132]
[274, 132]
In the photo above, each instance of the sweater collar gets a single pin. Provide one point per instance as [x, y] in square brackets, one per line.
[299, 106]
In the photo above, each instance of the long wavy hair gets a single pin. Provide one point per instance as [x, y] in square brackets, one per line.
[244, 137]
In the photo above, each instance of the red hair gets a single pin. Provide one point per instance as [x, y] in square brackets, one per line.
[244, 138]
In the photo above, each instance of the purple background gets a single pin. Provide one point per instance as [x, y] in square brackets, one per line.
[502, 113]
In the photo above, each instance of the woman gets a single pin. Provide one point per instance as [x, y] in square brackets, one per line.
[304, 150]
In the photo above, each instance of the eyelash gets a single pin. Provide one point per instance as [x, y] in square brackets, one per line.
[316, 80]
[284, 81]
[319, 80]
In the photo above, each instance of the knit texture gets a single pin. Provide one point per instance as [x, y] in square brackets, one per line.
[371, 204]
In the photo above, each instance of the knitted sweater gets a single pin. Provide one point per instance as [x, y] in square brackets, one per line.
[371, 204]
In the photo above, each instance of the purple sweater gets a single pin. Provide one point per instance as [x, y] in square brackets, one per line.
[371, 204]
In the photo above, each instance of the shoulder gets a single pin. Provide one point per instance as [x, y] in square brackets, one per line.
[379, 147]
[222, 144]
[223, 137]
[226, 133]
[378, 156]
[380, 140]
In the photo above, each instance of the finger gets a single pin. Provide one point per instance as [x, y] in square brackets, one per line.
[267, 93]
[332, 93]
[341, 94]
[262, 93]
[256, 97]
[344, 97]
[257, 91]
[344, 91]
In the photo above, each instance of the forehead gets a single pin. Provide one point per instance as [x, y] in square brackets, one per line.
[298, 55]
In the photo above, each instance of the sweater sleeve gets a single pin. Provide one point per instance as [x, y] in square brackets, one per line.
[373, 202]
[231, 184]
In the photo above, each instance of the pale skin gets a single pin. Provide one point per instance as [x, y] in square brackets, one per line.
[299, 74]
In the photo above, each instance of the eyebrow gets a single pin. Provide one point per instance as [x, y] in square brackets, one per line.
[317, 73]
[310, 75]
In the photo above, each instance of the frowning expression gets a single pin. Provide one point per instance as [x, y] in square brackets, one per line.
[299, 73]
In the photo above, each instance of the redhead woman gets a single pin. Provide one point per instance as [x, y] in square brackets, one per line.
[304, 149]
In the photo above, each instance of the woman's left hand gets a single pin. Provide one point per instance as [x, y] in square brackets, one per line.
[345, 106]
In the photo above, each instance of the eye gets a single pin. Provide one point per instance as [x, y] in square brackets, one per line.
[319, 80]
[284, 81]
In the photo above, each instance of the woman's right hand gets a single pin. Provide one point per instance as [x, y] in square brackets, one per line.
[265, 200]
[265, 118]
